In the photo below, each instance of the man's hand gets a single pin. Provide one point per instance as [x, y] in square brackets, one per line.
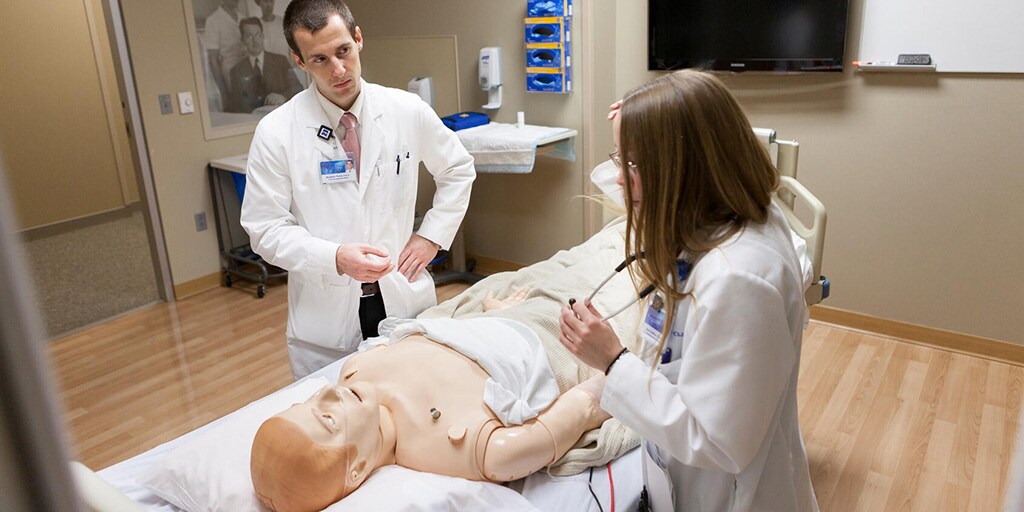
[273, 99]
[416, 255]
[362, 262]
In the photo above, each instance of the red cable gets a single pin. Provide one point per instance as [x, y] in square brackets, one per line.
[611, 487]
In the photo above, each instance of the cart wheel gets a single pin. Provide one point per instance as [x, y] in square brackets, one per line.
[227, 280]
[260, 291]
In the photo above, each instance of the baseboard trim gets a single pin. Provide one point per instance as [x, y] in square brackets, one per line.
[967, 344]
[76, 223]
[197, 286]
[486, 266]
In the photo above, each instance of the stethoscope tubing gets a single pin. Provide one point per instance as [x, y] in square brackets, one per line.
[622, 266]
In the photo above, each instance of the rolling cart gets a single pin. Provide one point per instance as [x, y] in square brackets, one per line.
[227, 187]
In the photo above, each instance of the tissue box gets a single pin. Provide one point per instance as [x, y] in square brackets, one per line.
[538, 8]
[548, 30]
[548, 55]
[549, 80]
[463, 120]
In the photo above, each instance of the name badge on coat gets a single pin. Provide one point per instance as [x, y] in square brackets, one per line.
[654, 323]
[338, 171]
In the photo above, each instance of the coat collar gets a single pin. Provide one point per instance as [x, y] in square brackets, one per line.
[312, 115]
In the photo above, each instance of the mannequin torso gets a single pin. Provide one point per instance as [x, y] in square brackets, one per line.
[407, 387]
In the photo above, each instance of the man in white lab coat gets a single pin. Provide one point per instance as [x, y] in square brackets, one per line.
[331, 198]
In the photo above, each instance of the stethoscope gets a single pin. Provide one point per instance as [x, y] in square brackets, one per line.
[682, 266]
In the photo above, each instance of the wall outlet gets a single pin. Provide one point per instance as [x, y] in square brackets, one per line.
[201, 221]
[165, 104]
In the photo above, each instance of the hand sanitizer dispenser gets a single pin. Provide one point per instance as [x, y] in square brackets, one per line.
[490, 75]
[423, 86]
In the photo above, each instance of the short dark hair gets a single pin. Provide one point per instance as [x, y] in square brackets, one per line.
[249, 21]
[312, 15]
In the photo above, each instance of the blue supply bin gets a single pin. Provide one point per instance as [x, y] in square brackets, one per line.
[557, 80]
[463, 120]
[239, 180]
[547, 55]
[536, 8]
[554, 29]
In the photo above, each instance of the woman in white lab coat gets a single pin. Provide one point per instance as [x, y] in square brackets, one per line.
[724, 327]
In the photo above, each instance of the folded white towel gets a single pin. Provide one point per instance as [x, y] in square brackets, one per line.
[521, 382]
[506, 148]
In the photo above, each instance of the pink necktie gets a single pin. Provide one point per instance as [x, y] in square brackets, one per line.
[350, 143]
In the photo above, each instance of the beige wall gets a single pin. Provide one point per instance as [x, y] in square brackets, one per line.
[524, 217]
[921, 175]
[501, 204]
[178, 152]
[918, 172]
[62, 132]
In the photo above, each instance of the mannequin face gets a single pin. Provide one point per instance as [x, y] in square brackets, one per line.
[338, 416]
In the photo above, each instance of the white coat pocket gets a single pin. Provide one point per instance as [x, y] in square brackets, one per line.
[393, 185]
[323, 313]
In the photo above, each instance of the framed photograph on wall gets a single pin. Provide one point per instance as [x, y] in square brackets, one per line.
[241, 61]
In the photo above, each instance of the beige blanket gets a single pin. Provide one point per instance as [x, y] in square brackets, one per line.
[572, 273]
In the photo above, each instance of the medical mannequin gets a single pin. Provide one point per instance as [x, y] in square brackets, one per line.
[417, 404]
[724, 328]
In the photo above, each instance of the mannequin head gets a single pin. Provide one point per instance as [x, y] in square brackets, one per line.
[317, 452]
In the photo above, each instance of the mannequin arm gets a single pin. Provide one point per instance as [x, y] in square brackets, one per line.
[511, 453]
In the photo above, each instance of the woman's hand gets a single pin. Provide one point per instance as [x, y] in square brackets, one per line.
[613, 109]
[492, 303]
[587, 337]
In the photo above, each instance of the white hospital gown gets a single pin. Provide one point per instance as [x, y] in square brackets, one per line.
[521, 383]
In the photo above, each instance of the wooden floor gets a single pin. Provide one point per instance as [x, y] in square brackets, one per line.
[888, 425]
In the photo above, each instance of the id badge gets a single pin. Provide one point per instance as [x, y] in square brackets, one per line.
[337, 171]
[654, 322]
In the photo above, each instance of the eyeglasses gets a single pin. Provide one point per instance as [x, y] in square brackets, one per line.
[617, 160]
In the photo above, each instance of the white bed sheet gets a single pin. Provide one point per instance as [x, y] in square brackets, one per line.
[547, 493]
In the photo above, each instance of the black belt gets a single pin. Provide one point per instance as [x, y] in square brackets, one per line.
[370, 289]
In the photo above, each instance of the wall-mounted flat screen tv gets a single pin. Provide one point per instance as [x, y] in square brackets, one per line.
[747, 35]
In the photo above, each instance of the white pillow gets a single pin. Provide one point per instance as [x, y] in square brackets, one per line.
[398, 489]
[211, 472]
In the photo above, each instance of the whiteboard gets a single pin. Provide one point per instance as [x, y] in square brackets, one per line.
[976, 36]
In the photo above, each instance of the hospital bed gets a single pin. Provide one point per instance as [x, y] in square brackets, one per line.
[196, 478]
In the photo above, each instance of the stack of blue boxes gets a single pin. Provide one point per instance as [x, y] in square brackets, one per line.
[548, 46]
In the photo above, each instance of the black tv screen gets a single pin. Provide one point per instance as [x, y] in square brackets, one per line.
[747, 35]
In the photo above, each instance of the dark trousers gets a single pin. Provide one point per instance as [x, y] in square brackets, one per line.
[371, 309]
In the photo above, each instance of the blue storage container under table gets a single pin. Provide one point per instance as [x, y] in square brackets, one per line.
[238, 260]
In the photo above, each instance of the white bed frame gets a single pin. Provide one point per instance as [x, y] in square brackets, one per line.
[786, 159]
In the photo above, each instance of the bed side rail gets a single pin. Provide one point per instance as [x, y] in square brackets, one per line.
[814, 234]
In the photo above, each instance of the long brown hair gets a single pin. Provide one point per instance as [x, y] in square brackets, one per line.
[703, 175]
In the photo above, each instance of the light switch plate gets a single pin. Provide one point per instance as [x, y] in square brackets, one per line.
[185, 102]
[165, 104]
